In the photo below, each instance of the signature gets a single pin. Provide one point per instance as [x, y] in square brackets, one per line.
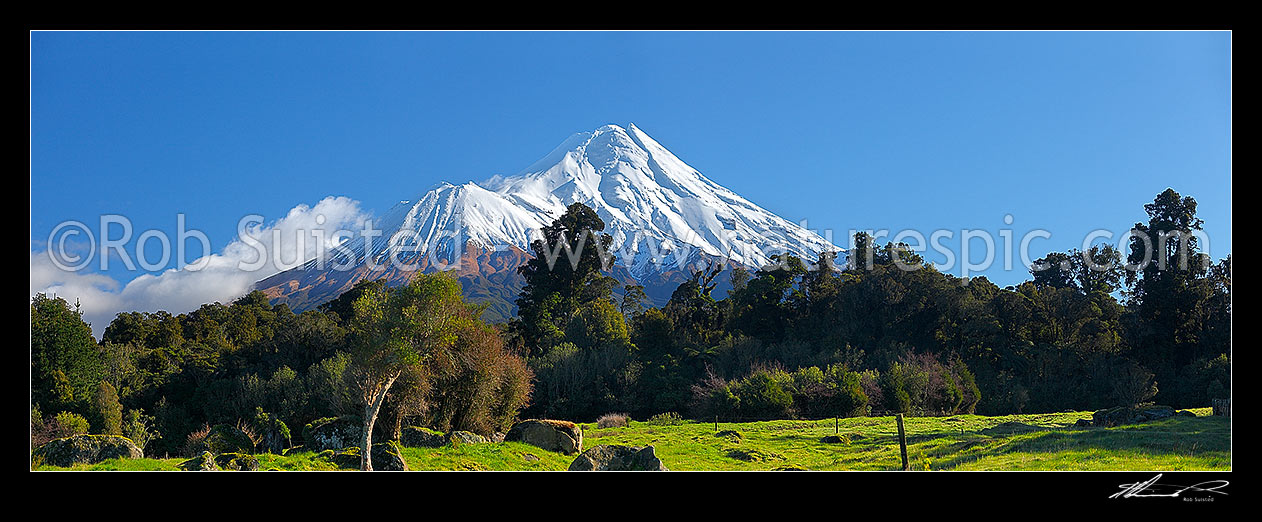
[1151, 488]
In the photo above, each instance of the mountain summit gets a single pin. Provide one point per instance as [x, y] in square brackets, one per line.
[666, 219]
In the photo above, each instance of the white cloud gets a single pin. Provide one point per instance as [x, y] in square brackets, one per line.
[287, 242]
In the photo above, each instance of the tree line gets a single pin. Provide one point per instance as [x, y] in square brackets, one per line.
[375, 355]
[881, 332]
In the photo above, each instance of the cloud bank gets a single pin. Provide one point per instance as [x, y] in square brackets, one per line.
[288, 242]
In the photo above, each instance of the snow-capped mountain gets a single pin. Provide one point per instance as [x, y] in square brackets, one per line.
[658, 209]
[666, 219]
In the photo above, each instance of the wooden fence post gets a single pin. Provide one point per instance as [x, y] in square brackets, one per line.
[1221, 407]
[902, 443]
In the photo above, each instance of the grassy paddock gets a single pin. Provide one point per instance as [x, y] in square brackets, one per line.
[961, 442]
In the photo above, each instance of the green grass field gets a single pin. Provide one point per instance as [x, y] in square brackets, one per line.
[963, 442]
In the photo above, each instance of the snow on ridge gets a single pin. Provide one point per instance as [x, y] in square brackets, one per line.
[661, 212]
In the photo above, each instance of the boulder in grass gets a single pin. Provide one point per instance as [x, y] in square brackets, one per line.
[386, 456]
[203, 462]
[1151, 413]
[237, 462]
[332, 433]
[86, 449]
[418, 437]
[835, 439]
[465, 437]
[551, 435]
[618, 458]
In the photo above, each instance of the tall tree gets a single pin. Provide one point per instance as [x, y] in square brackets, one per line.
[1054, 271]
[65, 363]
[633, 299]
[393, 331]
[1098, 269]
[1166, 273]
[563, 276]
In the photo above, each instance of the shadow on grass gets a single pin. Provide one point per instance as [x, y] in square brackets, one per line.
[1179, 436]
[1012, 428]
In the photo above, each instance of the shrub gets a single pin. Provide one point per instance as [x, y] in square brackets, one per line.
[870, 382]
[763, 395]
[1133, 384]
[968, 387]
[852, 400]
[139, 428]
[273, 433]
[598, 323]
[196, 440]
[63, 424]
[514, 391]
[480, 387]
[712, 398]
[173, 423]
[583, 383]
[669, 418]
[39, 431]
[66, 424]
[329, 389]
[250, 434]
[893, 384]
[106, 411]
[920, 384]
[221, 438]
[833, 392]
[612, 420]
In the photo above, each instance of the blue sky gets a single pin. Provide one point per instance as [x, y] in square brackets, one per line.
[1068, 132]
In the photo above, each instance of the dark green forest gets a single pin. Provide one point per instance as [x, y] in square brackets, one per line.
[880, 331]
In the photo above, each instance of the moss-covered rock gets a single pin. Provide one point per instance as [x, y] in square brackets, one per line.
[203, 462]
[85, 449]
[551, 435]
[386, 456]
[618, 458]
[418, 437]
[237, 462]
[465, 437]
[208, 461]
[333, 433]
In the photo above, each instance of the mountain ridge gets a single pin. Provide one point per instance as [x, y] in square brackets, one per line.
[666, 219]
